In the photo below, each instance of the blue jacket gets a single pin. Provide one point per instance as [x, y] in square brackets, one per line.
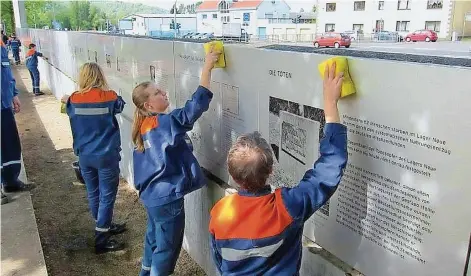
[32, 58]
[94, 126]
[260, 233]
[167, 169]
[8, 81]
[14, 44]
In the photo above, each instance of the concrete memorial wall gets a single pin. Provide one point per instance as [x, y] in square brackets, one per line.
[403, 205]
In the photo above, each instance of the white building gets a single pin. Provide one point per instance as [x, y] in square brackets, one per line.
[155, 24]
[403, 16]
[258, 17]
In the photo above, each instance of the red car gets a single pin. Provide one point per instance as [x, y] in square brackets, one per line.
[336, 40]
[422, 35]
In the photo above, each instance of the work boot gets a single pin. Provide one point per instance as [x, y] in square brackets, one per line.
[19, 186]
[109, 246]
[117, 228]
[4, 198]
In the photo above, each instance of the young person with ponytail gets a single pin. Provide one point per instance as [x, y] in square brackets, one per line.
[165, 169]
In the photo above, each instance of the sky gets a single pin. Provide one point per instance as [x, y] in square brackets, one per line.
[295, 5]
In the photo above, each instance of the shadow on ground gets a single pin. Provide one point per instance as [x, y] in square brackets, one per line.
[64, 222]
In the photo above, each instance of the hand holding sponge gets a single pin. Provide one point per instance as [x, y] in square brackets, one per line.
[348, 87]
[217, 46]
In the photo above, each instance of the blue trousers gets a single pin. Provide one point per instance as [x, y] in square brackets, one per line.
[164, 238]
[11, 149]
[101, 175]
[16, 55]
[34, 73]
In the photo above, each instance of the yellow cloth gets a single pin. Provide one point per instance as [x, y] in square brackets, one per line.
[218, 47]
[348, 87]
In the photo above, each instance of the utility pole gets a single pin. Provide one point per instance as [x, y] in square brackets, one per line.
[175, 18]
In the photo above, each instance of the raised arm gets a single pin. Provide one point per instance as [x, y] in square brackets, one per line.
[320, 182]
[199, 102]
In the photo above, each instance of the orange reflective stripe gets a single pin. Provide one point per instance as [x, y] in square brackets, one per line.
[94, 96]
[148, 124]
[241, 217]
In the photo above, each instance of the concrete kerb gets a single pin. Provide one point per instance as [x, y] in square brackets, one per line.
[21, 249]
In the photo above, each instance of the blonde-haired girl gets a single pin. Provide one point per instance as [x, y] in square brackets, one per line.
[165, 169]
[97, 143]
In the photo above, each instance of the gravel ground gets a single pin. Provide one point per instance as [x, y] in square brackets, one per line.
[64, 221]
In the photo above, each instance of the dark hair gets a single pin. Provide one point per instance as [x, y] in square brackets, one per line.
[250, 162]
[32, 45]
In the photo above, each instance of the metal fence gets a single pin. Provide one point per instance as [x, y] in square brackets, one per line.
[305, 38]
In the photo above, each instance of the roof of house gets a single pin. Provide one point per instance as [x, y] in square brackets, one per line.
[240, 4]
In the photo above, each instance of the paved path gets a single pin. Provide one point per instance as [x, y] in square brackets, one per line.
[21, 249]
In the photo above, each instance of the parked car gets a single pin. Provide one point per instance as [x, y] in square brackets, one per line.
[194, 35]
[422, 35]
[188, 35]
[207, 36]
[336, 40]
[354, 34]
[387, 36]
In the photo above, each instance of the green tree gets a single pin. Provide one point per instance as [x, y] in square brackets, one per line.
[97, 18]
[7, 17]
[80, 15]
[314, 8]
[192, 7]
[181, 9]
[37, 13]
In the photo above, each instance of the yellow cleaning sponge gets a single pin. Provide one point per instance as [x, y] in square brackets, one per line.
[218, 47]
[348, 87]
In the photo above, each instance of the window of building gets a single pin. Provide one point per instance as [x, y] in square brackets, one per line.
[402, 26]
[357, 27]
[359, 5]
[330, 27]
[225, 19]
[381, 5]
[223, 7]
[330, 7]
[205, 16]
[215, 15]
[379, 25]
[403, 5]
[269, 15]
[434, 4]
[246, 17]
[432, 25]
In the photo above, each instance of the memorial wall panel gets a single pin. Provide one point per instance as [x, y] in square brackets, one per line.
[402, 207]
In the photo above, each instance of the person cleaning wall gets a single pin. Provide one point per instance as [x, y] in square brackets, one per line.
[15, 45]
[32, 65]
[257, 232]
[165, 169]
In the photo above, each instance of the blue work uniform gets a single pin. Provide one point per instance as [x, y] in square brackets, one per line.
[11, 146]
[15, 45]
[97, 143]
[32, 65]
[164, 173]
[260, 233]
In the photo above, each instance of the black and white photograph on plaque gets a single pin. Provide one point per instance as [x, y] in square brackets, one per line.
[295, 132]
